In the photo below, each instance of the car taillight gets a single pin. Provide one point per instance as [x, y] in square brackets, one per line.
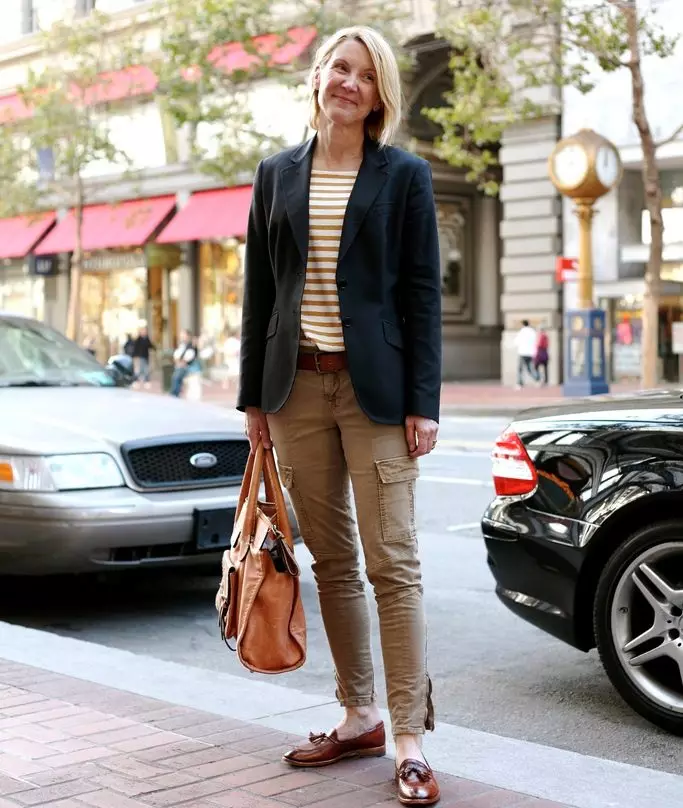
[513, 472]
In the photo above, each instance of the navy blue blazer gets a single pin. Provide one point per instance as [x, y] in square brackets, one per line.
[388, 278]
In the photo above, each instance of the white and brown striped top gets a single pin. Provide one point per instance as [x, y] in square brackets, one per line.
[320, 319]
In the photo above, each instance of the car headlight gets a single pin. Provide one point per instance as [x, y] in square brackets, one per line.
[59, 472]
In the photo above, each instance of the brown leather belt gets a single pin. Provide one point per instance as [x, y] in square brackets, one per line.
[322, 362]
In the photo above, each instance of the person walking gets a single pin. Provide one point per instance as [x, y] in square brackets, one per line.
[525, 341]
[541, 356]
[186, 358]
[142, 347]
[340, 371]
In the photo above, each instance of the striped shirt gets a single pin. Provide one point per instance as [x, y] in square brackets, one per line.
[329, 194]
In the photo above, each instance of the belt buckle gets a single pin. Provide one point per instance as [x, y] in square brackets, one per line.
[316, 359]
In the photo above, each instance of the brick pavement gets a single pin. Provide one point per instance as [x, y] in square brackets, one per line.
[69, 743]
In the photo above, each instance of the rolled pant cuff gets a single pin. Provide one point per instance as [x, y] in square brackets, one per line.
[398, 730]
[357, 701]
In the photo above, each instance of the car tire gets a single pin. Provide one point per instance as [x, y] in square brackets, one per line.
[622, 612]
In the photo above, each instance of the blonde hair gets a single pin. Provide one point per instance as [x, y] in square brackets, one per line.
[383, 124]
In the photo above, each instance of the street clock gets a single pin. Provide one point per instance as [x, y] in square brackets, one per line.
[585, 166]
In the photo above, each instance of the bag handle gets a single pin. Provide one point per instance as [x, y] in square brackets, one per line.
[274, 494]
[246, 481]
[249, 490]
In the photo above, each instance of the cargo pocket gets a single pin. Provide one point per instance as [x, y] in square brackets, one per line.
[396, 493]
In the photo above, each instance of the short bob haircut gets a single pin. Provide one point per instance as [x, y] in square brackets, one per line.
[382, 125]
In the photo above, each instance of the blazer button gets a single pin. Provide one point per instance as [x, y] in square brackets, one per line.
[346, 322]
[342, 283]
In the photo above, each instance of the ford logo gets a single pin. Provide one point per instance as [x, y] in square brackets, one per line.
[203, 460]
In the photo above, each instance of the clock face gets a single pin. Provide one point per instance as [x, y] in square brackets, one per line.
[570, 165]
[607, 166]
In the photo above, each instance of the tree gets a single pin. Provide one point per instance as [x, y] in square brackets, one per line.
[206, 84]
[507, 53]
[50, 149]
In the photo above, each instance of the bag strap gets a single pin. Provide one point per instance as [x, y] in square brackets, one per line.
[274, 494]
[246, 481]
[251, 483]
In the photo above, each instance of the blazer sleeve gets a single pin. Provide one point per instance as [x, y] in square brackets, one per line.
[422, 297]
[258, 300]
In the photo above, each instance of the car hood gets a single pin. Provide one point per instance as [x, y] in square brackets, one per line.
[79, 419]
[645, 406]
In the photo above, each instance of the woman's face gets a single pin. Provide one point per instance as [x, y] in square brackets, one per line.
[347, 85]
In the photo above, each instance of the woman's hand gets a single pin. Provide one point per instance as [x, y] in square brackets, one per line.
[256, 428]
[421, 435]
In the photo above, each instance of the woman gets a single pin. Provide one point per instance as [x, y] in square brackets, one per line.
[541, 356]
[340, 366]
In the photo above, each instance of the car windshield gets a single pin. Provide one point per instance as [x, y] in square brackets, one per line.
[34, 355]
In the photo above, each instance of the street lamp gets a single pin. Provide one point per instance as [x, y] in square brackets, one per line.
[585, 167]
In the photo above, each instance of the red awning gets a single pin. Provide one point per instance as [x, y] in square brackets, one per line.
[19, 235]
[281, 50]
[139, 80]
[127, 224]
[211, 215]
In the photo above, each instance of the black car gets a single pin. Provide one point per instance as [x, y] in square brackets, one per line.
[585, 536]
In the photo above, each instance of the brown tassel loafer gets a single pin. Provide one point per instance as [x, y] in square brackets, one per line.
[322, 749]
[416, 784]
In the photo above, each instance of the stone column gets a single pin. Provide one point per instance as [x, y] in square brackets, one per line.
[531, 241]
[188, 304]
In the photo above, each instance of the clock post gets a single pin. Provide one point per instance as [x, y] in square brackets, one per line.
[585, 167]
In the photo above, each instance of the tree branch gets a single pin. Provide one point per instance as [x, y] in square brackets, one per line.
[674, 136]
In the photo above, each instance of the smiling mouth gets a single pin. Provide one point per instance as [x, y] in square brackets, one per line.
[345, 100]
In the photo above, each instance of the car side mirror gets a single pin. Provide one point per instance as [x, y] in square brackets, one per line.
[122, 368]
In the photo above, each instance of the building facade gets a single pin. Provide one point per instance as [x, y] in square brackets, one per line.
[621, 226]
[185, 269]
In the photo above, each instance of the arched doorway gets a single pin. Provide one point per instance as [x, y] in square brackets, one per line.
[469, 224]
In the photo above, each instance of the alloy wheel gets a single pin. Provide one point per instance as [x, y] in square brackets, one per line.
[647, 623]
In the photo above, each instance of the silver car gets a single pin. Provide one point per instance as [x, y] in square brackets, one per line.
[94, 476]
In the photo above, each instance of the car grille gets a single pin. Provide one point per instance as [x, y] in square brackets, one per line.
[167, 465]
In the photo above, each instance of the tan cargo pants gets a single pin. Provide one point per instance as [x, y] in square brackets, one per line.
[322, 439]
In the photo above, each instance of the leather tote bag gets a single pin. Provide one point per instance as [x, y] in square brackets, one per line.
[259, 599]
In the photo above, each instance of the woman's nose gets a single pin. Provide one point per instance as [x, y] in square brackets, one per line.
[351, 83]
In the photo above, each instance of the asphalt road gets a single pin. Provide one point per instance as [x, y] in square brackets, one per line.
[491, 670]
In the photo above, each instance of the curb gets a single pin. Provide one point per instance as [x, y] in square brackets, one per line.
[548, 773]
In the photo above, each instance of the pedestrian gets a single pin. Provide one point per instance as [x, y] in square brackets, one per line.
[142, 347]
[525, 341]
[340, 367]
[129, 345]
[541, 356]
[186, 360]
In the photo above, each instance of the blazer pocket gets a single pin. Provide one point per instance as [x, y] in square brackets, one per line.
[383, 208]
[392, 334]
[272, 325]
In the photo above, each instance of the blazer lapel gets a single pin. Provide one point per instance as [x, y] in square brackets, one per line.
[296, 179]
[371, 177]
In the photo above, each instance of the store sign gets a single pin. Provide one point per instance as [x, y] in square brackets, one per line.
[566, 269]
[110, 261]
[43, 265]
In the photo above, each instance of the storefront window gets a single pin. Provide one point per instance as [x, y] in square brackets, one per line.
[455, 224]
[220, 295]
[113, 304]
[21, 293]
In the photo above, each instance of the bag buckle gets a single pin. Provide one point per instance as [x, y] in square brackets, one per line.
[275, 550]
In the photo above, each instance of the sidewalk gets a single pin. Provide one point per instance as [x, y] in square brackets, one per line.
[68, 743]
[457, 398]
